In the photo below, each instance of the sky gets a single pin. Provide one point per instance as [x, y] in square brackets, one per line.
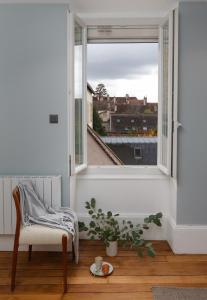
[125, 69]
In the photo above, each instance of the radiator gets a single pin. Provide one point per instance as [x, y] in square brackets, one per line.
[48, 187]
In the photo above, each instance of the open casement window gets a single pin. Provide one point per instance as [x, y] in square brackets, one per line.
[77, 98]
[78, 156]
[165, 115]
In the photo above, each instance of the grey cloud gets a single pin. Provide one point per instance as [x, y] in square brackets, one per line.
[121, 61]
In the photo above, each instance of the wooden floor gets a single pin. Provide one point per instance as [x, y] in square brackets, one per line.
[132, 279]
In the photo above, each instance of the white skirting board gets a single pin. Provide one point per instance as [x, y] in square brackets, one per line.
[187, 239]
[155, 233]
[183, 239]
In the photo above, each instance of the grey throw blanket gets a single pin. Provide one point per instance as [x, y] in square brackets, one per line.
[35, 211]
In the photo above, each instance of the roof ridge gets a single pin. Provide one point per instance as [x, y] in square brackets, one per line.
[110, 153]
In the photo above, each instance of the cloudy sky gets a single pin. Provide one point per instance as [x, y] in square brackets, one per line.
[125, 69]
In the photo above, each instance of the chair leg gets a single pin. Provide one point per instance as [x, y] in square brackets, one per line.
[14, 264]
[73, 251]
[64, 254]
[30, 253]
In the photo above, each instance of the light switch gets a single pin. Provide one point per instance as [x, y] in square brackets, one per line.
[53, 119]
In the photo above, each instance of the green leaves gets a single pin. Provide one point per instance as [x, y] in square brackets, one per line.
[159, 215]
[92, 224]
[109, 214]
[154, 219]
[150, 251]
[87, 205]
[105, 226]
[82, 226]
[93, 203]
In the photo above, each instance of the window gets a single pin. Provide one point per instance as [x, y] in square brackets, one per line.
[137, 153]
[124, 77]
[78, 56]
[166, 95]
[126, 139]
[78, 107]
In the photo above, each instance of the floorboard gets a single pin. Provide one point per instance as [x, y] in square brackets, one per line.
[133, 277]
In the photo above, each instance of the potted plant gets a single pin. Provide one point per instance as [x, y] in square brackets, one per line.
[106, 227]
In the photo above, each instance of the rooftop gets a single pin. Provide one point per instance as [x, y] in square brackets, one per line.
[128, 140]
[109, 152]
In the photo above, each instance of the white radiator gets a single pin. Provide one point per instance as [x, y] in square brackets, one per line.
[49, 188]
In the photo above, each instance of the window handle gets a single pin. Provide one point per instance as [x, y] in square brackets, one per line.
[179, 125]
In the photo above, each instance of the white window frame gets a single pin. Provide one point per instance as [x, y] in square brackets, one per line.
[74, 169]
[176, 123]
[166, 168]
[140, 169]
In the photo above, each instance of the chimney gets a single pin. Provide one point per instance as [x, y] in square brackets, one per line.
[127, 98]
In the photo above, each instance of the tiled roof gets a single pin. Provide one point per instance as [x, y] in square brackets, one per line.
[104, 147]
[89, 87]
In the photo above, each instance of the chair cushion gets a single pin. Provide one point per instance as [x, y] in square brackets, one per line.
[41, 235]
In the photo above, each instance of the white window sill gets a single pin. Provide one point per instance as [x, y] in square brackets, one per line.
[122, 172]
[80, 168]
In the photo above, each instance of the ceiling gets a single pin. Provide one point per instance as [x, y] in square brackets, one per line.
[139, 8]
[122, 12]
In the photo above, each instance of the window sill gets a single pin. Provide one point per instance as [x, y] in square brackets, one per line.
[80, 168]
[122, 172]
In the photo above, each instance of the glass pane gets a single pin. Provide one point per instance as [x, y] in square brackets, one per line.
[123, 90]
[165, 94]
[78, 55]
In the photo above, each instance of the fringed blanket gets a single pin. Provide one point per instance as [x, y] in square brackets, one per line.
[35, 211]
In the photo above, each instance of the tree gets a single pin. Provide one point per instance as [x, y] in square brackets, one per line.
[97, 123]
[101, 90]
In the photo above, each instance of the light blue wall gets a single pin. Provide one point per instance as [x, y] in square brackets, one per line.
[192, 139]
[33, 84]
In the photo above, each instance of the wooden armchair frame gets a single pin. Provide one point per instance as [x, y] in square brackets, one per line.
[16, 196]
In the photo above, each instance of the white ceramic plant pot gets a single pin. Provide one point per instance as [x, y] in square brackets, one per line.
[112, 249]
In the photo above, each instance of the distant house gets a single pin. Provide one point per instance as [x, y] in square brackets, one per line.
[123, 123]
[112, 103]
[98, 152]
[134, 150]
[124, 114]
[151, 107]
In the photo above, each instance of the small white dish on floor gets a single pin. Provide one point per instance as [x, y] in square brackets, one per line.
[100, 273]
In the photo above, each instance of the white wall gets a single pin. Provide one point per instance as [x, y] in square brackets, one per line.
[134, 196]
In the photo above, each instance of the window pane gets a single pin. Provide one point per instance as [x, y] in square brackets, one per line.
[165, 94]
[78, 54]
[123, 90]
